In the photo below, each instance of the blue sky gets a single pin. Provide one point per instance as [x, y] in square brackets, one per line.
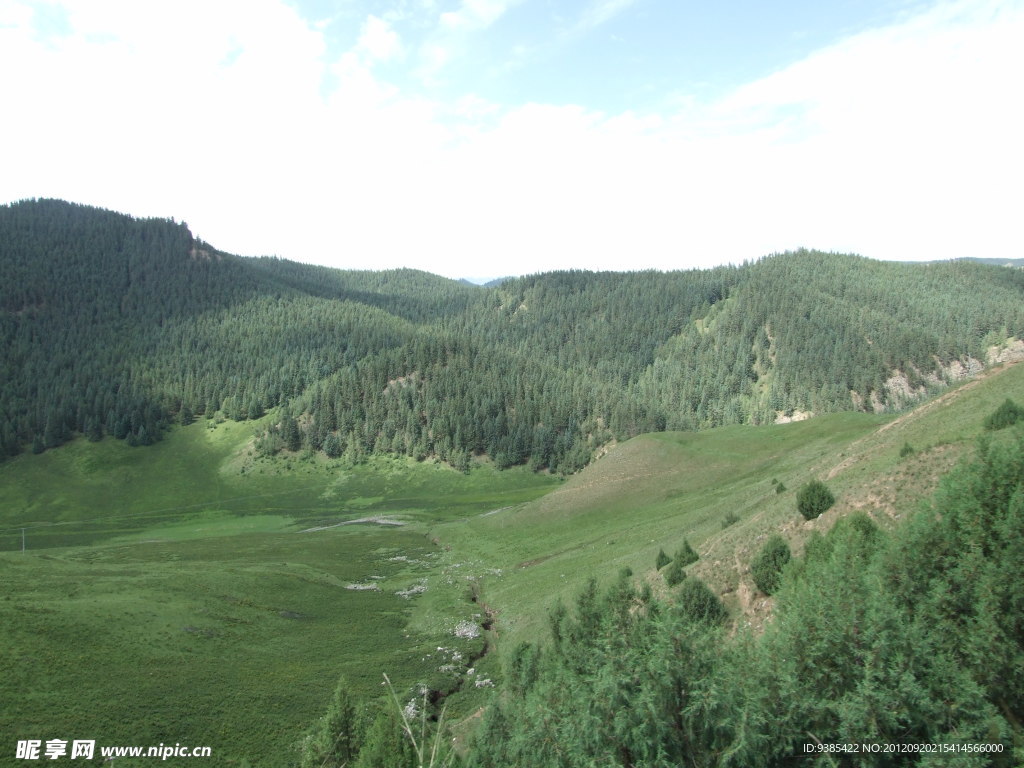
[493, 137]
[613, 55]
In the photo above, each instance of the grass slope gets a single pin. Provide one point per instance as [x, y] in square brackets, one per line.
[176, 594]
[655, 490]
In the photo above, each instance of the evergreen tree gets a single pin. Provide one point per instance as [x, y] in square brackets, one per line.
[290, 433]
[386, 744]
[675, 573]
[336, 739]
[698, 603]
[813, 499]
[332, 446]
[662, 560]
[766, 568]
[686, 554]
[1006, 415]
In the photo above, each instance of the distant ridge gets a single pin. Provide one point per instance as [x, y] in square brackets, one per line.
[111, 325]
[1017, 263]
[993, 261]
[484, 282]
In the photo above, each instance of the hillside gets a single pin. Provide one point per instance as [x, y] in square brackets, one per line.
[245, 586]
[193, 592]
[897, 622]
[115, 326]
[655, 490]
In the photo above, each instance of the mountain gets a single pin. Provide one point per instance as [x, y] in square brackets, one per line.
[486, 282]
[993, 260]
[1014, 263]
[121, 326]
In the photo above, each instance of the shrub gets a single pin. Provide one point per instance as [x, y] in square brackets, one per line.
[731, 518]
[766, 568]
[686, 554]
[780, 487]
[662, 560]
[675, 573]
[906, 450]
[1006, 415]
[813, 499]
[698, 603]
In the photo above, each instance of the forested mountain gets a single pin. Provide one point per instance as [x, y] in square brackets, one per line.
[1014, 263]
[114, 325]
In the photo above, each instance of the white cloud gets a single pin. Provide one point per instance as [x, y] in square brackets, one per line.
[899, 143]
[379, 41]
[892, 141]
[476, 14]
[602, 11]
[434, 56]
[454, 28]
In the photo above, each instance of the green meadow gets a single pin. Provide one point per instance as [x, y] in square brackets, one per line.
[186, 592]
[190, 592]
[719, 490]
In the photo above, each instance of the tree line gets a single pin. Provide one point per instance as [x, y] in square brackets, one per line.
[111, 325]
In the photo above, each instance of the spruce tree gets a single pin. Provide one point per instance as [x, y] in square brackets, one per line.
[662, 560]
[813, 499]
[766, 568]
[1006, 415]
[686, 554]
[697, 602]
[675, 573]
[336, 739]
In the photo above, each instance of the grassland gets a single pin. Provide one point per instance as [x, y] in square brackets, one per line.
[656, 490]
[190, 592]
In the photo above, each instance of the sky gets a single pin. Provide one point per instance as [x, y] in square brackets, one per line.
[483, 138]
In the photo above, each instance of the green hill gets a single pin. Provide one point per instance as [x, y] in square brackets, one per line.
[653, 491]
[227, 577]
[896, 624]
[115, 326]
[229, 482]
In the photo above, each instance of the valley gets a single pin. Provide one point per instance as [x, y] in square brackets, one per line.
[236, 493]
[227, 619]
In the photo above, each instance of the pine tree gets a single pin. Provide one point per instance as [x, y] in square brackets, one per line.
[336, 739]
[813, 499]
[662, 560]
[697, 602]
[766, 568]
[686, 554]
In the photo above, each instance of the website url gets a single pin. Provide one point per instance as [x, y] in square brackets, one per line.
[162, 751]
[51, 749]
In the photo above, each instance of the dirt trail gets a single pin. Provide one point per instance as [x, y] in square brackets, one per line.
[378, 519]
